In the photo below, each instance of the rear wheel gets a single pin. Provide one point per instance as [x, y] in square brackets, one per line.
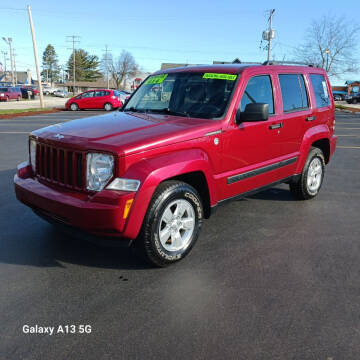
[172, 223]
[108, 107]
[74, 107]
[354, 101]
[310, 181]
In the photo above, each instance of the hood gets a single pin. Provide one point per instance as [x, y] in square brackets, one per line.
[126, 133]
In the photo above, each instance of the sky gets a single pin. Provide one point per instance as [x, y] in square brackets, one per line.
[195, 32]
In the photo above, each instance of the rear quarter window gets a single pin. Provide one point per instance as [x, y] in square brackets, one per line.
[293, 92]
[321, 91]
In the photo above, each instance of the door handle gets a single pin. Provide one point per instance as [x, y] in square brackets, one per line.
[276, 126]
[311, 118]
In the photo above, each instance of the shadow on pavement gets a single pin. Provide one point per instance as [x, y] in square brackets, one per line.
[25, 239]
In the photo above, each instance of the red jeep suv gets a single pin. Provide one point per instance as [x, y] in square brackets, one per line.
[152, 172]
[95, 99]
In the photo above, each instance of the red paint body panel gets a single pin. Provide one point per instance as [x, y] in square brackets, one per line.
[156, 147]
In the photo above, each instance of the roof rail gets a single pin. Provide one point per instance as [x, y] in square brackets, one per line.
[273, 62]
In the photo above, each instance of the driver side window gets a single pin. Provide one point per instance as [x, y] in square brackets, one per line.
[258, 90]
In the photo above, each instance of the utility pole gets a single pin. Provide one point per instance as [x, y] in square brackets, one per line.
[36, 58]
[107, 65]
[9, 42]
[15, 72]
[74, 42]
[271, 34]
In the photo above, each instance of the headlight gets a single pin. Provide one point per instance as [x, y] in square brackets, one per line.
[124, 184]
[99, 170]
[33, 154]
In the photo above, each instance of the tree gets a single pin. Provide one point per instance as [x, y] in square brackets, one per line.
[86, 66]
[331, 43]
[51, 69]
[123, 68]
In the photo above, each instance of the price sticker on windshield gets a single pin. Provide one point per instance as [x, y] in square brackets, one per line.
[156, 79]
[218, 76]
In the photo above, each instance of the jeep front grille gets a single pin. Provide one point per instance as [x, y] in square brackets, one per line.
[61, 166]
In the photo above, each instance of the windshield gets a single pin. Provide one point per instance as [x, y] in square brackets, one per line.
[202, 95]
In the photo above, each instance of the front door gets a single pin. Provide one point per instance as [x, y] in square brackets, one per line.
[252, 150]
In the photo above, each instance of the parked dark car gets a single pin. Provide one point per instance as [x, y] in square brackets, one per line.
[353, 99]
[10, 93]
[27, 93]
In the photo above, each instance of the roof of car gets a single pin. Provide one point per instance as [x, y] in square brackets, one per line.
[233, 68]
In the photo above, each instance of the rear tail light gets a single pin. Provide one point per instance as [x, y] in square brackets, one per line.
[113, 97]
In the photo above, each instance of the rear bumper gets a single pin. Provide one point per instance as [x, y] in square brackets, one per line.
[100, 214]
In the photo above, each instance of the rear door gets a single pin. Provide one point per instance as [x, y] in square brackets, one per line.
[295, 113]
[251, 150]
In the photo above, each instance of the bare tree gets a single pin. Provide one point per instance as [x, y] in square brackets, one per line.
[331, 43]
[123, 68]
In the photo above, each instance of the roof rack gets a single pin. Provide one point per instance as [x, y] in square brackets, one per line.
[273, 62]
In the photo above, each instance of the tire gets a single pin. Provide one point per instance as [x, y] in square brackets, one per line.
[312, 176]
[7, 99]
[354, 101]
[162, 216]
[74, 107]
[108, 107]
[18, 98]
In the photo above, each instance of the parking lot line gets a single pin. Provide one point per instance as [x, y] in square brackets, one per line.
[346, 128]
[356, 136]
[347, 147]
[15, 132]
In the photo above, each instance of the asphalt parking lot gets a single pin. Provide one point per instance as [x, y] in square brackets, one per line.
[270, 277]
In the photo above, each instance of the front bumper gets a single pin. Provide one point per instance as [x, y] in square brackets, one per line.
[99, 214]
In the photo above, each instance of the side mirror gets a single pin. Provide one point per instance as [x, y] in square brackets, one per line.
[253, 112]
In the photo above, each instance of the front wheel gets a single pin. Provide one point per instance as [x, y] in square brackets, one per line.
[172, 223]
[310, 181]
[74, 107]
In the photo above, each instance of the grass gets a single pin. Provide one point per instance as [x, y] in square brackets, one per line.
[341, 107]
[19, 111]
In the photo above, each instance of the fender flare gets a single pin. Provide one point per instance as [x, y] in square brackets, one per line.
[313, 134]
[152, 171]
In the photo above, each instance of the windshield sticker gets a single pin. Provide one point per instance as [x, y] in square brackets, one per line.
[219, 76]
[156, 79]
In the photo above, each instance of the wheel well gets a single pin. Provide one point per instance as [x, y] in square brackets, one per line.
[198, 181]
[324, 146]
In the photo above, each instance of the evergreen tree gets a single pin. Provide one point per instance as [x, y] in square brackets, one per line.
[86, 66]
[51, 71]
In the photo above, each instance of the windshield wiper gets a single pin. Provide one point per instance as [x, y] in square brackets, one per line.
[169, 112]
[133, 109]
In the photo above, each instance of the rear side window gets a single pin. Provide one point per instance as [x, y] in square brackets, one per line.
[320, 90]
[258, 90]
[293, 92]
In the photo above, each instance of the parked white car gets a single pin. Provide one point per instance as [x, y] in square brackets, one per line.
[61, 93]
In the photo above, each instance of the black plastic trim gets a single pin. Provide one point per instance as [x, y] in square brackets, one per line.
[248, 174]
[254, 191]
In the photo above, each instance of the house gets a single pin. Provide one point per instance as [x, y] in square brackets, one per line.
[21, 78]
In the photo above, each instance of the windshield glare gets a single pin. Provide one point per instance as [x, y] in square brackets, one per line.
[202, 95]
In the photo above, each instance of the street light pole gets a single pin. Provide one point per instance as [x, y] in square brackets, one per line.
[9, 42]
